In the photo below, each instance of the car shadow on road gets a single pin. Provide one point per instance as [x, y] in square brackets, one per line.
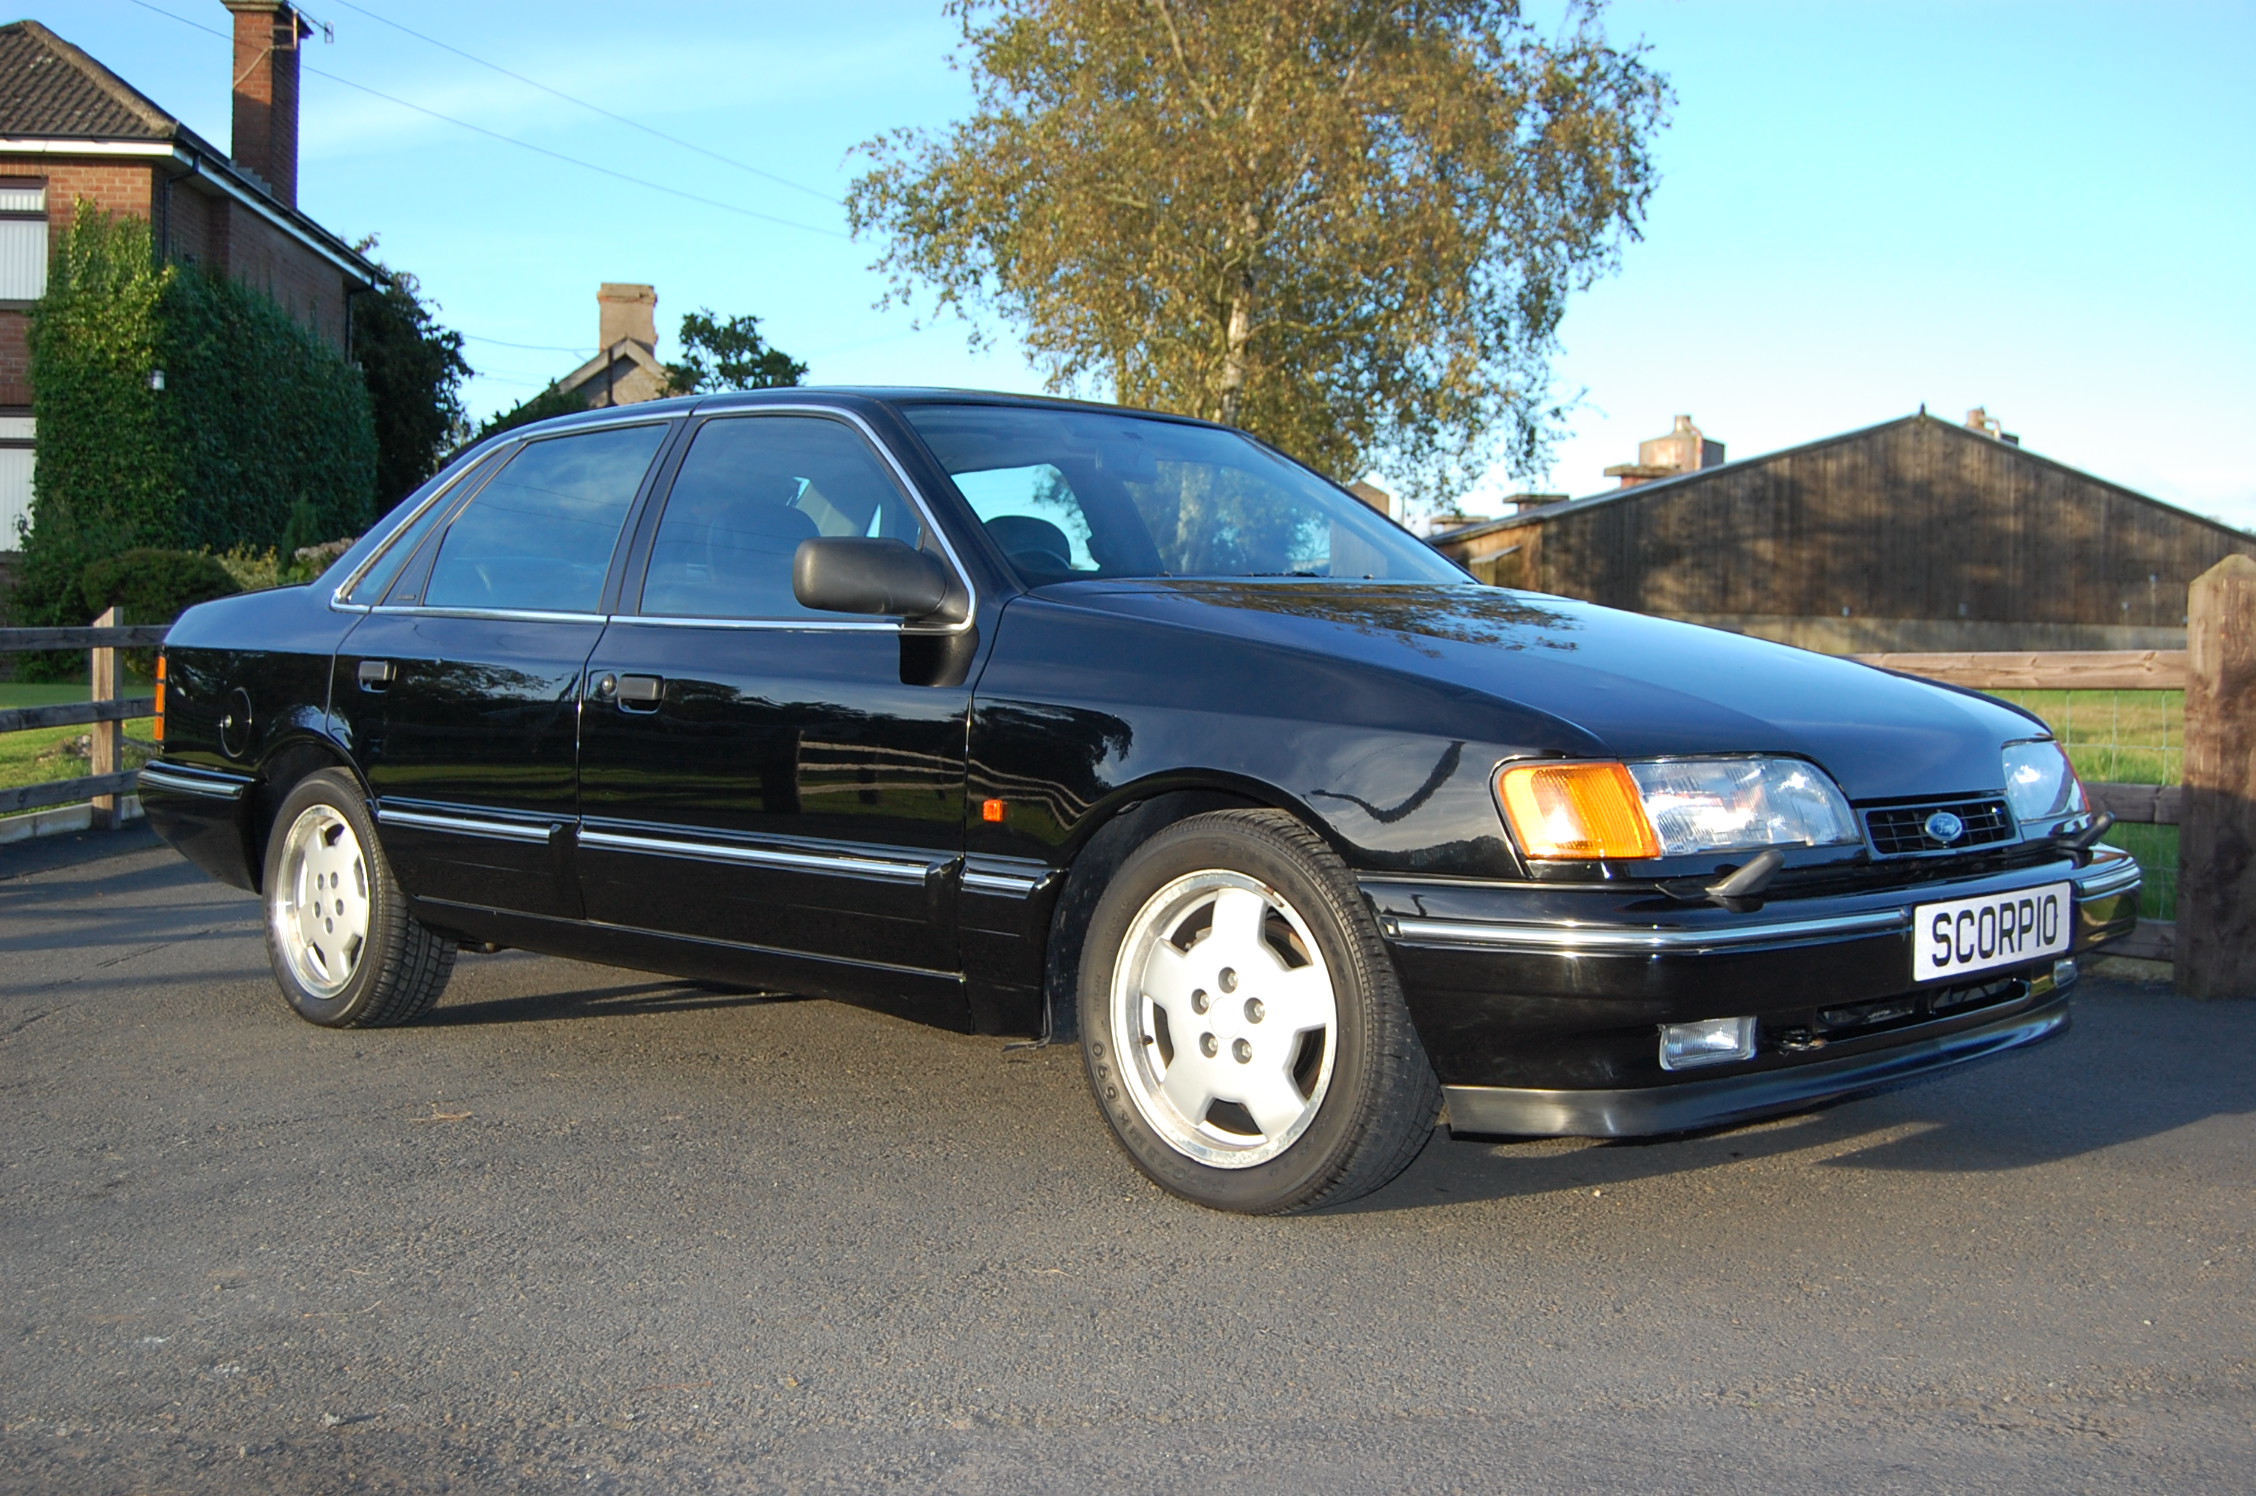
[664, 995]
[2136, 1066]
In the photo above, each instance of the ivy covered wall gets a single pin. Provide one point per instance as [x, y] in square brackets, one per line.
[260, 434]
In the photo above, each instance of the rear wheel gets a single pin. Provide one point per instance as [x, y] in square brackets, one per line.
[345, 951]
[1246, 1035]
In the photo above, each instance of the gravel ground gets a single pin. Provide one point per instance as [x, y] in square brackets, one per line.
[589, 1230]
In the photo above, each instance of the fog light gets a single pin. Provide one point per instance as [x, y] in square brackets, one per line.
[1711, 1041]
[2063, 974]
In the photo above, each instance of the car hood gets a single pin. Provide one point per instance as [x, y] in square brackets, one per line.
[1637, 686]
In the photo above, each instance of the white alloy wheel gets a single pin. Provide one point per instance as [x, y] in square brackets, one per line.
[1224, 1019]
[319, 907]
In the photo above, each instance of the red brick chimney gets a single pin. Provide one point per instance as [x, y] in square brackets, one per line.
[267, 33]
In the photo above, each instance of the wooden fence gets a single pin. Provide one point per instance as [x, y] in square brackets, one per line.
[106, 713]
[2211, 945]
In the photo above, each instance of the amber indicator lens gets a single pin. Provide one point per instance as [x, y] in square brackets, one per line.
[159, 734]
[993, 810]
[1578, 811]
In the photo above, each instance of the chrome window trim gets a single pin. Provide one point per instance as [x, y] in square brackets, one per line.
[1573, 938]
[917, 501]
[671, 621]
[462, 825]
[516, 615]
[187, 782]
[883, 869]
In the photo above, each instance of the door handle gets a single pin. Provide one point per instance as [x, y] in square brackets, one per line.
[375, 675]
[640, 693]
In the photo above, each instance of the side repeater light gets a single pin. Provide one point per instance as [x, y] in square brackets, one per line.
[1576, 811]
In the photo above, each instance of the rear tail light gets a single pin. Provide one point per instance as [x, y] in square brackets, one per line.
[159, 736]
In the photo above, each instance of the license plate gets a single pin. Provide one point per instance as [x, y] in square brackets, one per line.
[1998, 929]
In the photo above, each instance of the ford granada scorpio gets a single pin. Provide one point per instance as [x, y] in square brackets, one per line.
[1036, 718]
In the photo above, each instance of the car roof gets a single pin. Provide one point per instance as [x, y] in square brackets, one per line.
[851, 393]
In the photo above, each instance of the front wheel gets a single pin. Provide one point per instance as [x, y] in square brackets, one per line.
[345, 951]
[1246, 1036]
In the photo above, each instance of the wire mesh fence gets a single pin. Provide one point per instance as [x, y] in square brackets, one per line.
[2125, 737]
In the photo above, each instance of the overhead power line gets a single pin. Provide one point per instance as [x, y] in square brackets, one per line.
[525, 145]
[529, 347]
[634, 124]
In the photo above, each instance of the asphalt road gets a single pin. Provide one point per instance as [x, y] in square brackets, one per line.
[587, 1230]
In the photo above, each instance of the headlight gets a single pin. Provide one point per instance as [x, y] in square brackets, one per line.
[2040, 783]
[1673, 808]
[1740, 804]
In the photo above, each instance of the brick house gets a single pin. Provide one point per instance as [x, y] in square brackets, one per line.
[72, 129]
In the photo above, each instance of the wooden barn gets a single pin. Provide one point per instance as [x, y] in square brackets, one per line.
[1916, 534]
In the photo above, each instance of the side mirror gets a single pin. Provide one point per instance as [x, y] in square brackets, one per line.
[848, 574]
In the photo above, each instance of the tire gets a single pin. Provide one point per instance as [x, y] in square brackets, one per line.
[345, 951]
[1243, 1027]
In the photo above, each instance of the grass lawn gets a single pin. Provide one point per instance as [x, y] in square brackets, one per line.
[49, 753]
[13, 693]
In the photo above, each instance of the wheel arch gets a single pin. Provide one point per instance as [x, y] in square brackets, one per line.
[286, 765]
[1110, 832]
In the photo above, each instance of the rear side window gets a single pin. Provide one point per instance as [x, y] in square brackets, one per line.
[385, 569]
[540, 535]
[752, 488]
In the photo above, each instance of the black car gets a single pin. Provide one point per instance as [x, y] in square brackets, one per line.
[1040, 718]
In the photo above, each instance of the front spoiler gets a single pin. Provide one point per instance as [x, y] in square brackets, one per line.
[1690, 1105]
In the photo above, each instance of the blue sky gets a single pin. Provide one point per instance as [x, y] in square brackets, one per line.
[2042, 208]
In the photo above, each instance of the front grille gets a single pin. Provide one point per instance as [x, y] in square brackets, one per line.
[1901, 830]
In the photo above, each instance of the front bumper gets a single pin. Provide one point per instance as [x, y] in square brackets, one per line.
[1540, 1007]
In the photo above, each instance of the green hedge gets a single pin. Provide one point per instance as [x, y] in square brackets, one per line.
[261, 435]
[265, 416]
[107, 479]
[148, 585]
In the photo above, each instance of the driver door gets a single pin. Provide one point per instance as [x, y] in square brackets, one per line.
[755, 774]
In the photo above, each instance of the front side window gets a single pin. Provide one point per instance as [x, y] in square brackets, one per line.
[751, 488]
[1082, 493]
[539, 537]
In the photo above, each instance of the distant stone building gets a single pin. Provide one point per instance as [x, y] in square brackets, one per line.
[71, 130]
[1915, 534]
[625, 369]
[1683, 450]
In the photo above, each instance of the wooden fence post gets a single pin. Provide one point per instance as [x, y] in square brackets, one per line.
[2216, 945]
[104, 758]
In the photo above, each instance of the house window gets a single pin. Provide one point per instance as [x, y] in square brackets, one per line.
[23, 239]
[16, 437]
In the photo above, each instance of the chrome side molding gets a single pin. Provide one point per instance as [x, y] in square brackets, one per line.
[1567, 938]
[884, 869]
[517, 831]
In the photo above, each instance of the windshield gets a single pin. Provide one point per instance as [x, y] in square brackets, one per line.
[1072, 494]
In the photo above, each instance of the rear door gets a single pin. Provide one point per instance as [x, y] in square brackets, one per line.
[461, 690]
[755, 773]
